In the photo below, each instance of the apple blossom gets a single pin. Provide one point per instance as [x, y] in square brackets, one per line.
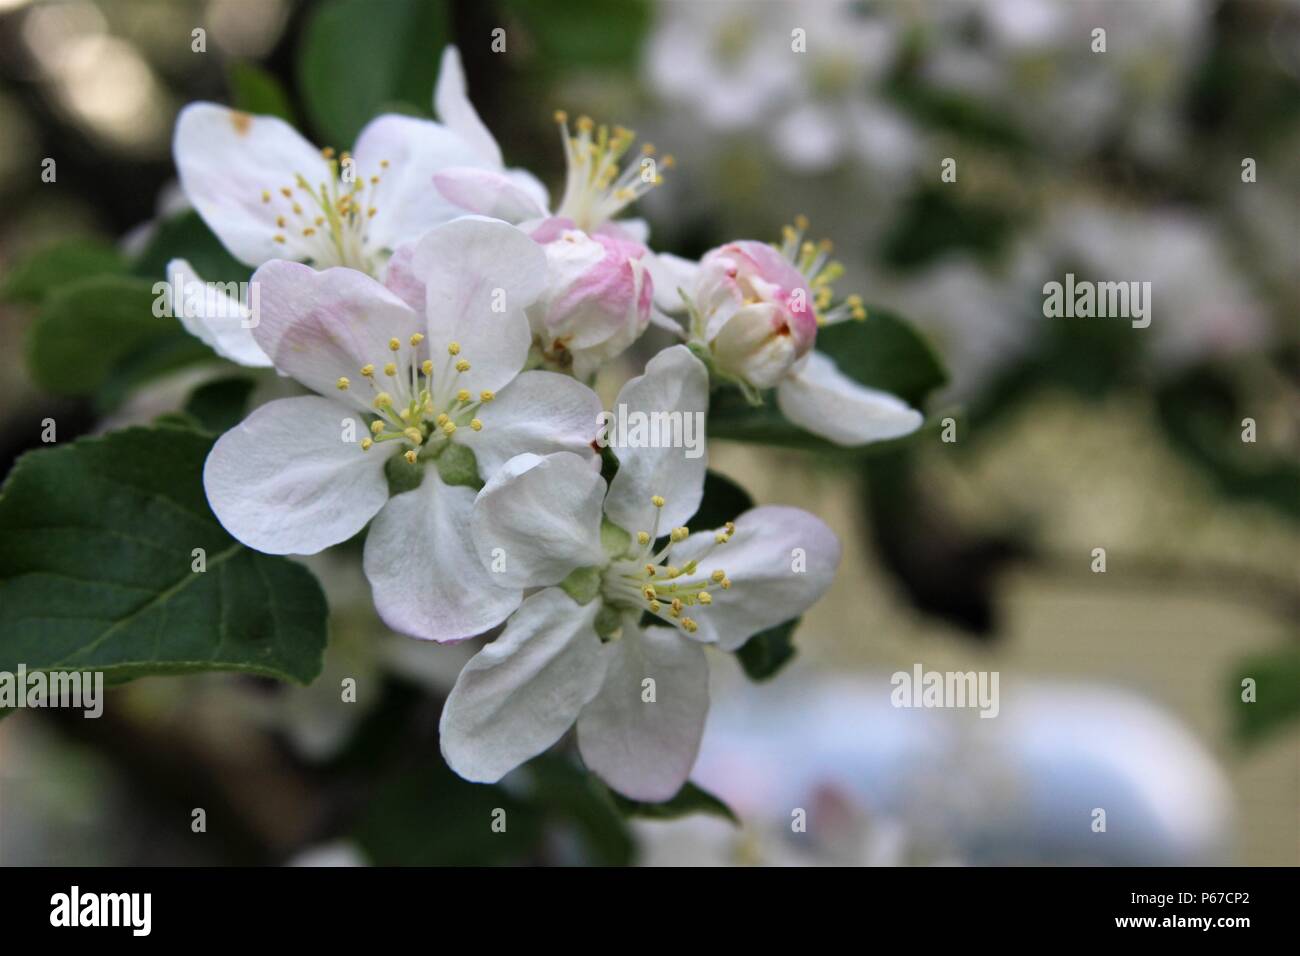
[753, 313]
[267, 193]
[302, 474]
[577, 651]
[599, 298]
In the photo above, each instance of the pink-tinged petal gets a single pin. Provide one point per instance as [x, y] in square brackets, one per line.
[480, 275]
[645, 749]
[424, 573]
[674, 391]
[819, 397]
[232, 167]
[211, 313]
[780, 561]
[487, 192]
[538, 519]
[319, 327]
[404, 153]
[401, 279]
[451, 103]
[292, 477]
[539, 412]
[519, 694]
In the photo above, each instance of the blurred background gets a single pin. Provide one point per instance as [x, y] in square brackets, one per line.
[1119, 690]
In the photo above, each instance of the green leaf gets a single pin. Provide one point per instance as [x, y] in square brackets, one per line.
[359, 56]
[1277, 694]
[219, 406]
[597, 33]
[768, 651]
[723, 501]
[885, 351]
[97, 542]
[188, 237]
[51, 268]
[690, 799]
[82, 330]
[254, 90]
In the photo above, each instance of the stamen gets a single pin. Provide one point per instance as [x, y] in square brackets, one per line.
[343, 383]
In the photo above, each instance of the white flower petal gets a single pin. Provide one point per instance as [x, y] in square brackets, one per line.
[451, 103]
[286, 480]
[406, 204]
[213, 316]
[228, 160]
[539, 518]
[672, 275]
[480, 275]
[762, 559]
[539, 412]
[420, 560]
[320, 326]
[488, 192]
[645, 750]
[819, 397]
[677, 383]
[519, 694]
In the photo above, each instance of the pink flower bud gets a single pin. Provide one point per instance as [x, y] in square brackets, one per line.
[757, 310]
[597, 297]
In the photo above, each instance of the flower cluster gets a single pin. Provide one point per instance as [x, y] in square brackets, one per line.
[446, 324]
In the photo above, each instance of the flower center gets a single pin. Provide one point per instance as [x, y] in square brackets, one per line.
[820, 271]
[419, 405]
[647, 580]
[596, 187]
[326, 223]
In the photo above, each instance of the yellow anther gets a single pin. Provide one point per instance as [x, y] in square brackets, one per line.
[649, 592]
[416, 339]
[280, 221]
[689, 626]
[672, 572]
[726, 584]
[328, 152]
[643, 538]
[279, 238]
[370, 213]
[453, 348]
[657, 501]
[449, 428]
[720, 537]
[731, 527]
[655, 606]
[410, 456]
[585, 124]
[413, 435]
[650, 570]
[286, 192]
[718, 576]
[462, 366]
[704, 597]
[442, 419]
[365, 444]
[647, 149]
[374, 180]
[394, 345]
[343, 383]
[677, 605]
[297, 209]
[383, 164]
[475, 424]
[266, 196]
[486, 395]
[801, 222]
[367, 370]
[383, 400]
[680, 534]
[462, 395]
[376, 426]
[427, 366]
[309, 231]
[390, 368]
